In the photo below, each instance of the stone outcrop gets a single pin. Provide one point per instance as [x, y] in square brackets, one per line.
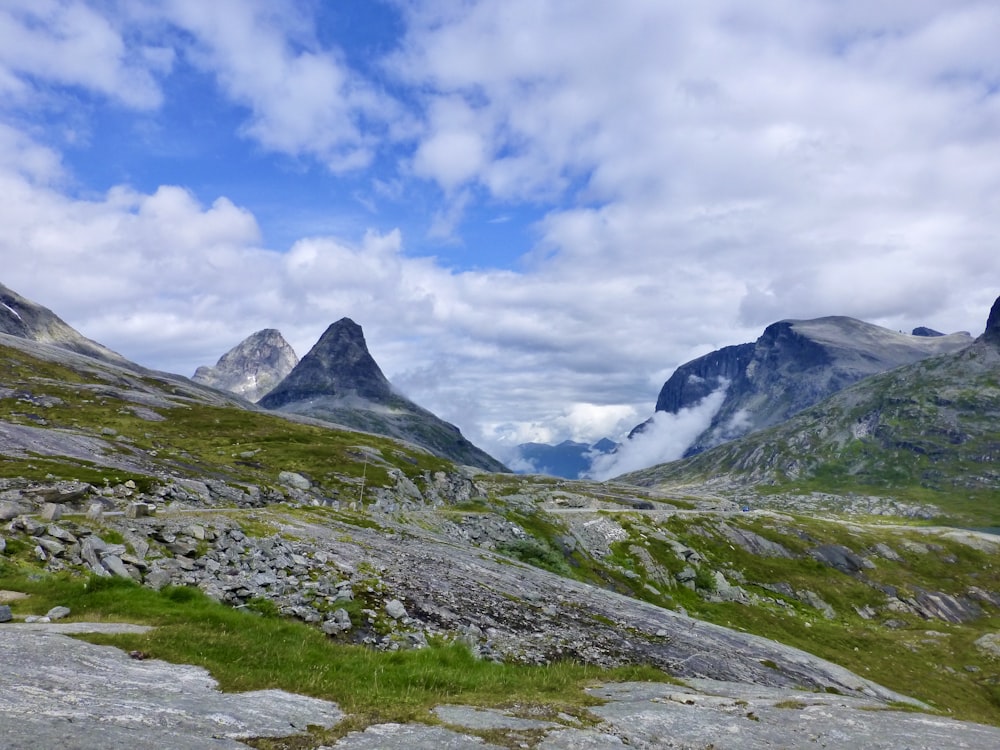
[56, 691]
[253, 367]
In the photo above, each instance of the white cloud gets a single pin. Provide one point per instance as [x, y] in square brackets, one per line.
[700, 170]
[70, 43]
[665, 438]
[304, 100]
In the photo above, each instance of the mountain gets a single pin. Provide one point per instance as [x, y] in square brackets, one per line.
[338, 381]
[25, 319]
[128, 495]
[793, 365]
[568, 459]
[933, 425]
[253, 367]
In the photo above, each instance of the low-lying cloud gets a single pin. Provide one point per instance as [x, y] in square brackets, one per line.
[665, 438]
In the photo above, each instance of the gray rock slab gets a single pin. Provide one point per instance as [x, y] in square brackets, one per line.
[580, 739]
[410, 737]
[728, 716]
[471, 717]
[56, 691]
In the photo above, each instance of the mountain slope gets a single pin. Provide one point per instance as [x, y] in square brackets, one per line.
[930, 426]
[253, 367]
[793, 365]
[27, 320]
[338, 381]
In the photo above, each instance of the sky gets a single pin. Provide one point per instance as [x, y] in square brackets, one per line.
[536, 209]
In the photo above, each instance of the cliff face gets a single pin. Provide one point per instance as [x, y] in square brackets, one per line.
[992, 333]
[253, 367]
[691, 382]
[793, 365]
[931, 424]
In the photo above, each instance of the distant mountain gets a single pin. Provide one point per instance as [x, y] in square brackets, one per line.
[25, 319]
[338, 381]
[931, 424]
[793, 365]
[568, 459]
[253, 367]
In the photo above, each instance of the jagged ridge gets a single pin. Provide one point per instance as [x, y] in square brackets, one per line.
[253, 367]
[793, 365]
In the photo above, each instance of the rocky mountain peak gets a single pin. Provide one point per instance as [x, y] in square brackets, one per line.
[253, 367]
[992, 333]
[793, 365]
[338, 364]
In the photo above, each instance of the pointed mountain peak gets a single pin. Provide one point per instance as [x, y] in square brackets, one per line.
[339, 364]
[992, 333]
[253, 367]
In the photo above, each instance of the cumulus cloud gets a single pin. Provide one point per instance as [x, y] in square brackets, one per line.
[664, 438]
[303, 98]
[71, 43]
[692, 172]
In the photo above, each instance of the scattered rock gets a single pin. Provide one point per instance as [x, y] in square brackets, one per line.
[395, 609]
[140, 510]
[51, 512]
[989, 644]
[294, 480]
[5, 614]
[58, 613]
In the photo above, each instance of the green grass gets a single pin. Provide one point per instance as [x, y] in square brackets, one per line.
[246, 651]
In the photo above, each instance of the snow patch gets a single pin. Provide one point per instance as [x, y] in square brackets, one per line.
[15, 312]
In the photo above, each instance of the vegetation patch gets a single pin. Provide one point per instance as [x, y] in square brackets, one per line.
[245, 651]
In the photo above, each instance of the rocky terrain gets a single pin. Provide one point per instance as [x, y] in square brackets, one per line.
[253, 367]
[792, 366]
[784, 611]
[79, 696]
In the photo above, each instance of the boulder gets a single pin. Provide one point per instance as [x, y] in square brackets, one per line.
[989, 644]
[5, 614]
[294, 480]
[51, 512]
[395, 609]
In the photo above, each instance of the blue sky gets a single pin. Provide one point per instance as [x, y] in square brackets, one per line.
[536, 209]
